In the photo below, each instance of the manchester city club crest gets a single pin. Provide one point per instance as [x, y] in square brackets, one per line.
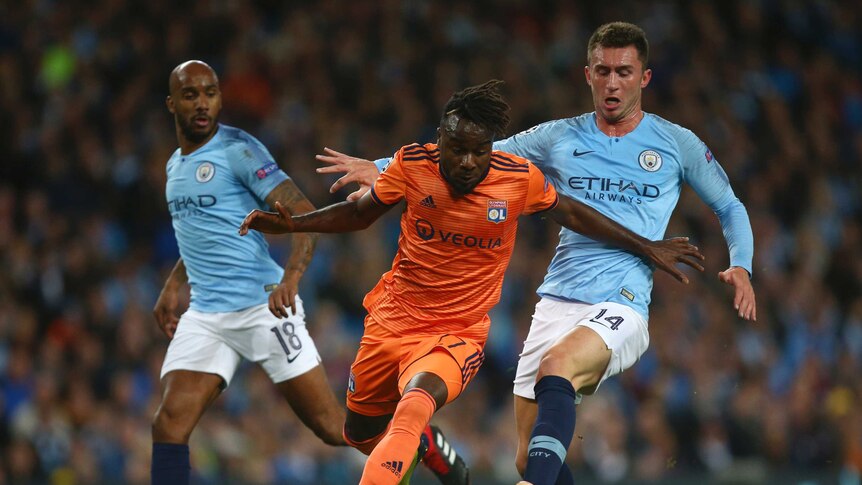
[205, 172]
[497, 210]
[650, 160]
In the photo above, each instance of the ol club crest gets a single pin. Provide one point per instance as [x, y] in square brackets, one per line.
[497, 210]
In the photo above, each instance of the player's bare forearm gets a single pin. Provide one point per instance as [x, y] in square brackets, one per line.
[165, 310]
[178, 276]
[663, 255]
[341, 217]
[301, 252]
[290, 197]
[585, 220]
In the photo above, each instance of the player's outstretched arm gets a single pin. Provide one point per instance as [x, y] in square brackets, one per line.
[284, 295]
[341, 217]
[358, 170]
[165, 310]
[663, 255]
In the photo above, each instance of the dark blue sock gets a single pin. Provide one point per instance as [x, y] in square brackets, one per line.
[553, 431]
[565, 477]
[170, 464]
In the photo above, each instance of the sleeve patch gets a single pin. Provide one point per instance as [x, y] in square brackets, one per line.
[267, 169]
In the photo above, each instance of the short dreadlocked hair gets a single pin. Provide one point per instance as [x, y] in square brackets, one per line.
[482, 105]
[620, 34]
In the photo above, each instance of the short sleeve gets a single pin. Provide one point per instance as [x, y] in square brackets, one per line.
[390, 186]
[534, 143]
[541, 195]
[253, 165]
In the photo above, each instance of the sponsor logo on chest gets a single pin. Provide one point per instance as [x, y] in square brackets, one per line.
[426, 231]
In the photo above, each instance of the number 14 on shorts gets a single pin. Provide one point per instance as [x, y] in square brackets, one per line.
[614, 321]
[289, 341]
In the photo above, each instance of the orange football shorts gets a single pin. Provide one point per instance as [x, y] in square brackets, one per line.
[386, 362]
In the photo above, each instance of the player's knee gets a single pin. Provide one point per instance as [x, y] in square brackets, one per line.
[333, 439]
[329, 437]
[330, 431]
[169, 426]
[556, 363]
[583, 370]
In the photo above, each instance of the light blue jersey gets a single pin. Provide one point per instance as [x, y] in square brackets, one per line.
[635, 180]
[209, 193]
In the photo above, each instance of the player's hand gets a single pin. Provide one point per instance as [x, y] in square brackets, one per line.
[743, 299]
[278, 222]
[358, 170]
[165, 311]
[667, 253]
[284, 295]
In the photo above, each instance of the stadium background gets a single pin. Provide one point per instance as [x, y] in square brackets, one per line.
[772, 86]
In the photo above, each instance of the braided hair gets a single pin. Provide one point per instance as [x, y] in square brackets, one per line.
[483, 105]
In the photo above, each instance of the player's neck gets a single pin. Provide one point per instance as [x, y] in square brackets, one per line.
[621, 127]
[187, 146]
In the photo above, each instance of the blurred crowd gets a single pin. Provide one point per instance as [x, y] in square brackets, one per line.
[774, 87]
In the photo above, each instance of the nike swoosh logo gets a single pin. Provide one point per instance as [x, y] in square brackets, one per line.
[290, 361]
[578, 154]
[542, 442]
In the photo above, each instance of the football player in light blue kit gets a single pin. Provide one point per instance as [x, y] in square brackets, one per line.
[243, 304]
[591, 321]
[239, 295]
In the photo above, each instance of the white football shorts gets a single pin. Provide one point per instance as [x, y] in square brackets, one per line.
[624, 331]
[215, 343]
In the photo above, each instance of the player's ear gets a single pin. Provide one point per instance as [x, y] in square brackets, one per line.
[645, 78]
[170, 104]
[587, 75]
[438, 135]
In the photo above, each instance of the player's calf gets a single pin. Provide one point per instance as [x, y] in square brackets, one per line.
[553, 431]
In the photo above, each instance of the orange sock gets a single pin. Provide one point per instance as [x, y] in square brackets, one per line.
[392, 457]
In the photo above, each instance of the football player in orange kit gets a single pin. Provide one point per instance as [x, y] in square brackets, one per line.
[427, 317]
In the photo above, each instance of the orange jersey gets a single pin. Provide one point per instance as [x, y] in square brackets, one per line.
[453, 250]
